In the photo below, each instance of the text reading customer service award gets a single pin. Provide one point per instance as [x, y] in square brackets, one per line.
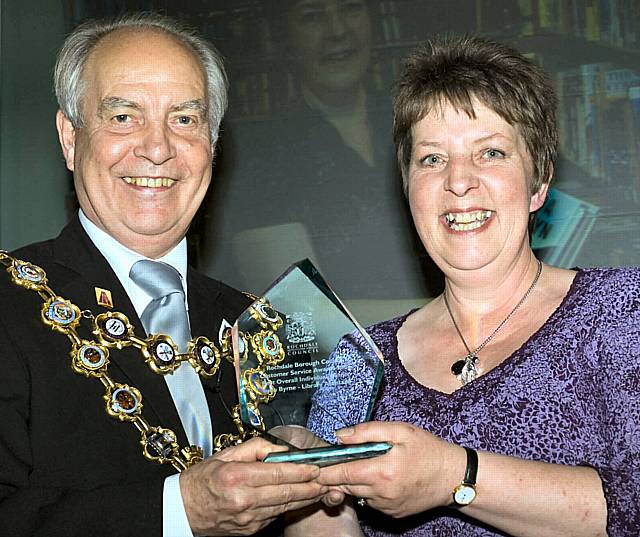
[302, 360]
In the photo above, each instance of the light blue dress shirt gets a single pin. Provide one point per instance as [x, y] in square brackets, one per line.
[121, 259]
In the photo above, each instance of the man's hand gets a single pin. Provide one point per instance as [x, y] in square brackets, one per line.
[233, 493]
[304, 439]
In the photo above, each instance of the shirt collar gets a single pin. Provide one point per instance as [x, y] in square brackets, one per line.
[121, 259]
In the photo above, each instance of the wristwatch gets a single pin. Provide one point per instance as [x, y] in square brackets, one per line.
[466, 491]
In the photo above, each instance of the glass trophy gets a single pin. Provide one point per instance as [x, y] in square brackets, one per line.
[302, 360]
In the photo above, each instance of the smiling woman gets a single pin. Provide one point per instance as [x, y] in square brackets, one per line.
[507, 398]
[475, 173]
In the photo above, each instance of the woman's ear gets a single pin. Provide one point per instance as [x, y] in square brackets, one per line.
[538, 198]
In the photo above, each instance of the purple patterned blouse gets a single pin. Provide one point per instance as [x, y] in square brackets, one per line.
[570, 395]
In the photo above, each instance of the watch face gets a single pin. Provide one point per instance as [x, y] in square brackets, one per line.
[464, 494]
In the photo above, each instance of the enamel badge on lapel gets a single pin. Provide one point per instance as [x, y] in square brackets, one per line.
[103, 297]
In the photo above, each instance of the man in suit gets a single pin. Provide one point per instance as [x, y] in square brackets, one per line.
[140, 100]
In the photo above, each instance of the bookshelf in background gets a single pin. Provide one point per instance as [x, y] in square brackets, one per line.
[599, 127]
[613, 22]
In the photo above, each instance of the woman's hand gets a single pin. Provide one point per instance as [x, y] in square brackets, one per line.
[418, 473]
[521, 497]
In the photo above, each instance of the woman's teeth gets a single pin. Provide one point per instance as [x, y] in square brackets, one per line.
[150, 182]
[467, 221]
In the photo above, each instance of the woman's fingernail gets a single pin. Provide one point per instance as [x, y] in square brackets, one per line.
[347, 431]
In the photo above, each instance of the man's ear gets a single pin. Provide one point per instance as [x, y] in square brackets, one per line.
[67, 138]
[537, 199]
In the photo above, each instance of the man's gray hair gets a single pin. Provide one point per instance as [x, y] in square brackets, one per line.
[72, 58]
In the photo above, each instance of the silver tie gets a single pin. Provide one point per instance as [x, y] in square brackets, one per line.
[167, 314]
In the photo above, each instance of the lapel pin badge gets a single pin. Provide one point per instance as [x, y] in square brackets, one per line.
[103, 297]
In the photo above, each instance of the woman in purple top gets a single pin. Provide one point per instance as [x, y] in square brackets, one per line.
[512, 399]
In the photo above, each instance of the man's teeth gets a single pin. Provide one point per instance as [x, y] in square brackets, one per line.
[151, 182]
[467, 221]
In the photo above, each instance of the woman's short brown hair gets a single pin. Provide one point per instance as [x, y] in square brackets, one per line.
[455, 70]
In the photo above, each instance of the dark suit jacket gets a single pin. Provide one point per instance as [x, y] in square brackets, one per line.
[66, 467]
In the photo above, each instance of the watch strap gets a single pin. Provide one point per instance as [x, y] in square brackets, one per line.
[471, 472]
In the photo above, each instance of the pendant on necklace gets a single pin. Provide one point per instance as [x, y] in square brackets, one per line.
[465, 369]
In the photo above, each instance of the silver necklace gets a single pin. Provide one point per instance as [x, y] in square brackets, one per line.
[465, 369]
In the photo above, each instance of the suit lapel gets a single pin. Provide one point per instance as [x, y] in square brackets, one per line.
[74, 250]
[204, 316]
[206, 304]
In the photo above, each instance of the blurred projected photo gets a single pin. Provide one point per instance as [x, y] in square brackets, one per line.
[317, 178]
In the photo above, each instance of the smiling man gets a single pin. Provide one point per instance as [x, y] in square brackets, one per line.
[142, 159]
[103, 428]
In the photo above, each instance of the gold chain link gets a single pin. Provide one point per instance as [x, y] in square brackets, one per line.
[112, 330]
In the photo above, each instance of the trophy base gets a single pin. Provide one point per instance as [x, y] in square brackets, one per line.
[329, 455]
